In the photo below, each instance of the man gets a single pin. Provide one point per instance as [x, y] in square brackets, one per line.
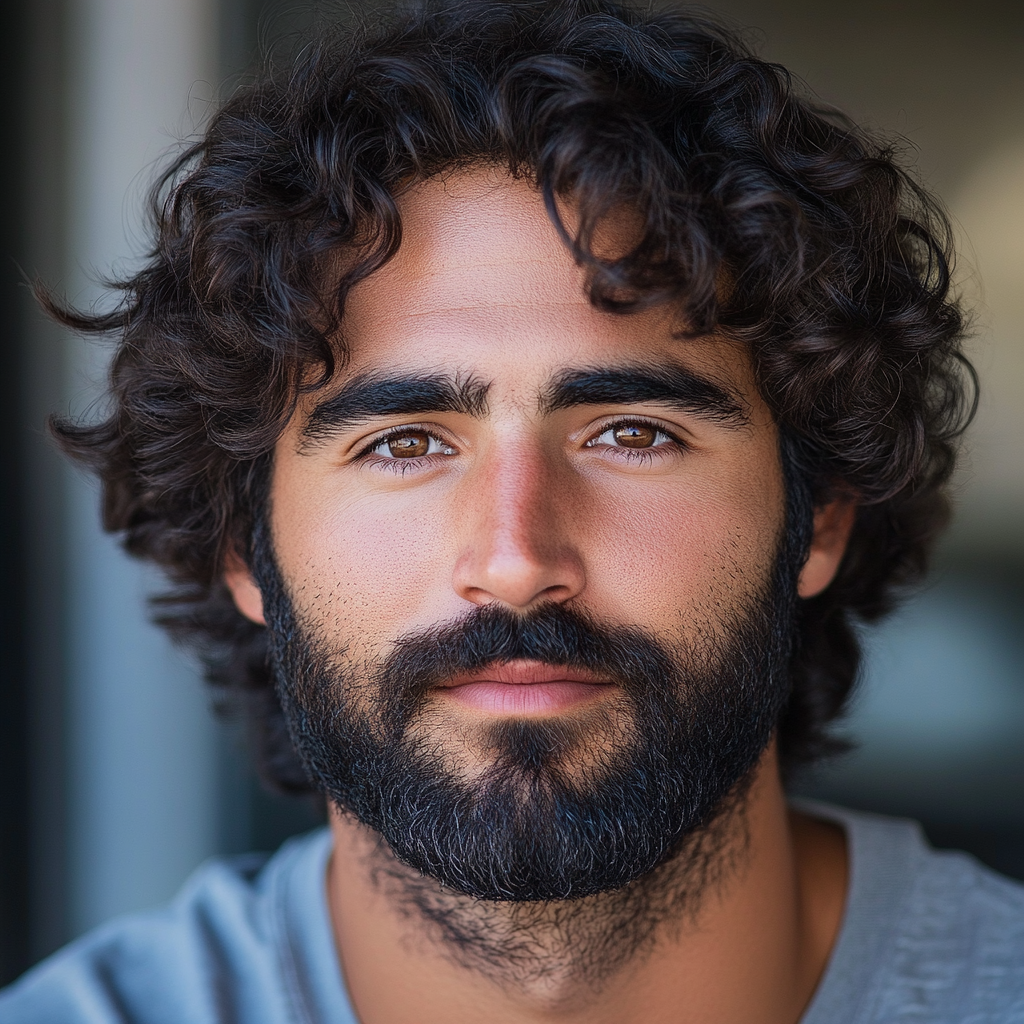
[525, 398]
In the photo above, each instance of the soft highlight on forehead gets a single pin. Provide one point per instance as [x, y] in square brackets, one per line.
[471, 223]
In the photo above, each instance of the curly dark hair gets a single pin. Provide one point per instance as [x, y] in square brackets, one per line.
[764, 217]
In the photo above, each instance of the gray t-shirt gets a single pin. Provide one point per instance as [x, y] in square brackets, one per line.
[927, 937]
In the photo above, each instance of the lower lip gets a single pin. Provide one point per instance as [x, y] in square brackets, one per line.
[526, 698]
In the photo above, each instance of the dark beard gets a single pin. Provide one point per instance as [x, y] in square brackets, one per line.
[569, 945]
[547, 820]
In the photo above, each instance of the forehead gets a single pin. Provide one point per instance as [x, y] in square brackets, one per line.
[483, 284]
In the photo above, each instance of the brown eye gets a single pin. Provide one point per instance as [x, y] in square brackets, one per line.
[635, 435]
[409, 446]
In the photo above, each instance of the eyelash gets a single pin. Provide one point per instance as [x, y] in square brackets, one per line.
[640, 456]
[401, 466]
[636, 455]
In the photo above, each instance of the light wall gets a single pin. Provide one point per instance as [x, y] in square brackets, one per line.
[141, 744]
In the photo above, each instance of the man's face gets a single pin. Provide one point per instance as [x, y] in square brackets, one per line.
[495, 442]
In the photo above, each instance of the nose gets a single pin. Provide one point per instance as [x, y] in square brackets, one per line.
[517, 543]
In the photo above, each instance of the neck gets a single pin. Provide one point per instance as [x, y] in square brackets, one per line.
[737, 926]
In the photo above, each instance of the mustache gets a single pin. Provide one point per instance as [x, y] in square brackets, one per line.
[552, 633]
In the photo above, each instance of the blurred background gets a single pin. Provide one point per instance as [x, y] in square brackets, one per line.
[115, 779]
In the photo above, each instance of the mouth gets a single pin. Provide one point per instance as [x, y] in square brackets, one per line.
[525, 688]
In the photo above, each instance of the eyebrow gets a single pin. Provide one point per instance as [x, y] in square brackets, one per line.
[670, 385]
[370, 395]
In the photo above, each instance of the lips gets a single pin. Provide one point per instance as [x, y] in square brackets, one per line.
[525, 688]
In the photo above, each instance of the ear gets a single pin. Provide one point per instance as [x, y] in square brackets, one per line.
[248, 599]
[832, 525]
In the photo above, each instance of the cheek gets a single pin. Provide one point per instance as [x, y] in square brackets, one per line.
[691, 553]
[365, 577]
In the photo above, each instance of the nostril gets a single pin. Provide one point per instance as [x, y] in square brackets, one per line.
[518, 583]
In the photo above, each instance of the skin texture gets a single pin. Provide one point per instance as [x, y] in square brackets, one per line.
[520, 504]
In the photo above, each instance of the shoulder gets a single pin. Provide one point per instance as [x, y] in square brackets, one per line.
[928, 936]
[212, 954]
[961, 943]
